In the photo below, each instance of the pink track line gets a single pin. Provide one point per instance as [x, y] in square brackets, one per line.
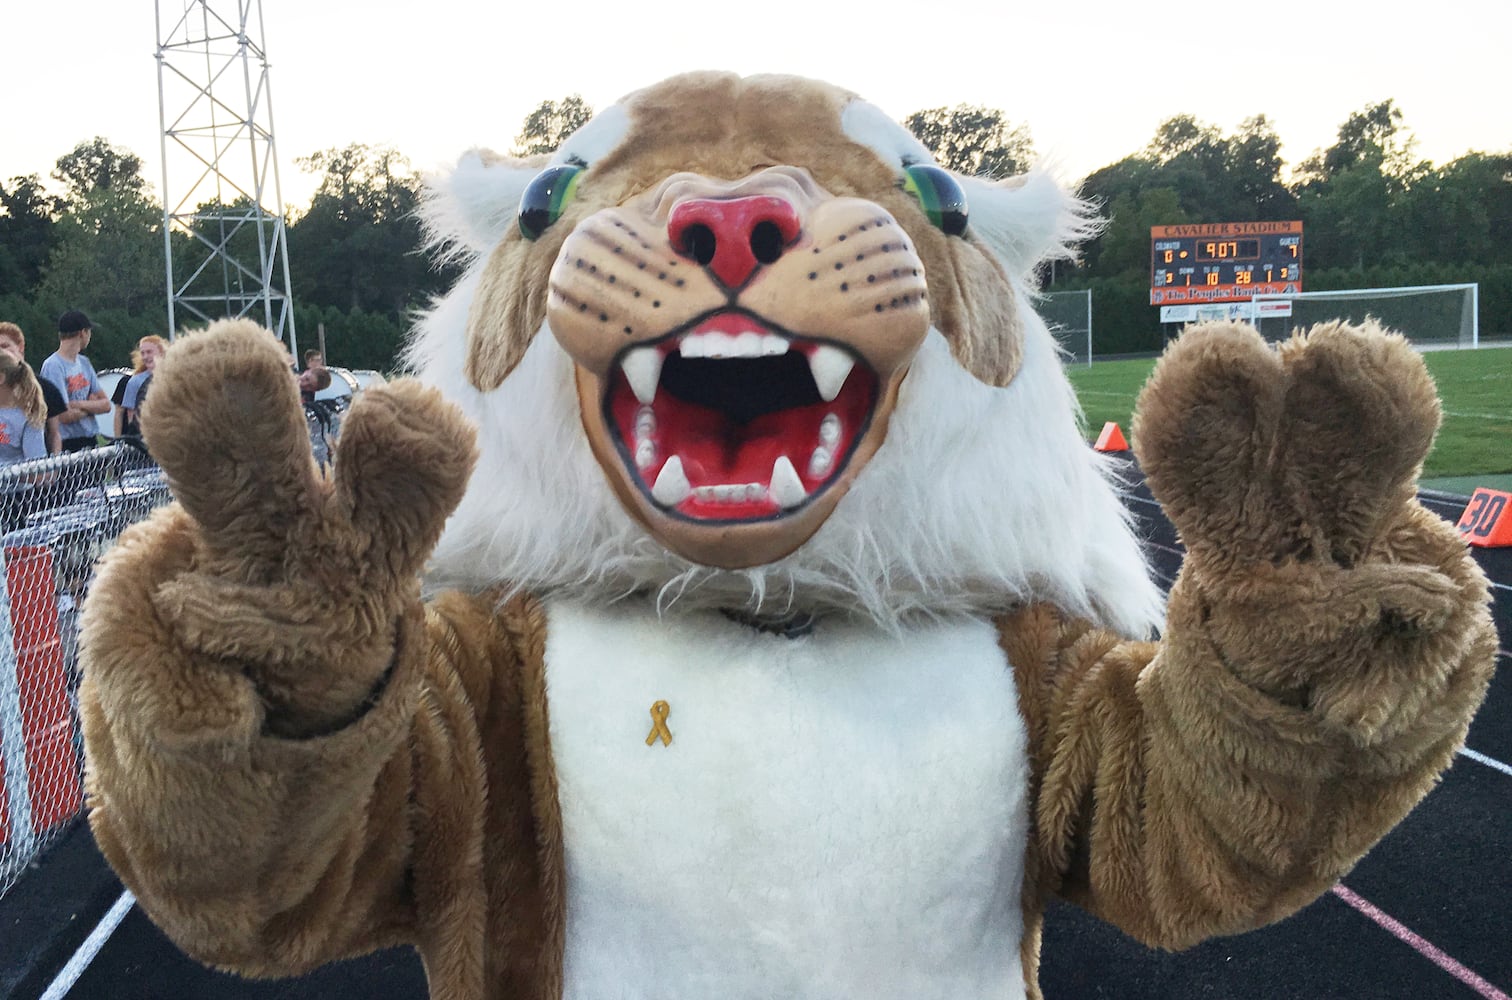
[1419, 944]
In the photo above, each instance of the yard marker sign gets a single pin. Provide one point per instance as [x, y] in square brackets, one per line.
[1487, 520]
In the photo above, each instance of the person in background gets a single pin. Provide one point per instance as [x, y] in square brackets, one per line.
[23, 414]
[132, 392]
[314, 358]
[71, 371]
[12, 338]
[311, 381]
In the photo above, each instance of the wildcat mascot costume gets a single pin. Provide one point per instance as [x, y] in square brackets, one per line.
[780, 634]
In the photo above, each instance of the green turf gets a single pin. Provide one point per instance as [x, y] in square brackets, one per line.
[1476, 388]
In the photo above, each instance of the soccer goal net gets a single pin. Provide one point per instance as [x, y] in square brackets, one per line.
[1446, 315]
[1069, 317]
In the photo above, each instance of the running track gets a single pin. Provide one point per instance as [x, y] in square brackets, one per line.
[1427, 915]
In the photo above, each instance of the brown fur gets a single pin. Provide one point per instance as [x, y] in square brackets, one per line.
[291, 759]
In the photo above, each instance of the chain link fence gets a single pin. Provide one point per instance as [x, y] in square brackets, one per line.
[57, 517]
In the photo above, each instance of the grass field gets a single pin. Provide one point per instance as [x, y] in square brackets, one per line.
[1476, 388]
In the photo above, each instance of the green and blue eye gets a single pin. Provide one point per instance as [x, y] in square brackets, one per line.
[546, 198]
[939, 195]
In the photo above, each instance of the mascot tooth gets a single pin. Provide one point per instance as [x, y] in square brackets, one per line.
[732, 606]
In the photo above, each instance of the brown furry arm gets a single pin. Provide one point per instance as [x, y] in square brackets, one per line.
[270, 855]
[264, 707]
[255, 852]
[1326, 646]
[1180, 798]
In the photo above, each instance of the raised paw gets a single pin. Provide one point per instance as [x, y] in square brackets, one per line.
[224, 421]
[1360, 416]
[1263, 455]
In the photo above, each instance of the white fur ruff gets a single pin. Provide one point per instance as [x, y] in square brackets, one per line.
[967, 507]
[979, 498]
[838, 816]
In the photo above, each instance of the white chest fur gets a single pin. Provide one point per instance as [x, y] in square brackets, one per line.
[841, 815]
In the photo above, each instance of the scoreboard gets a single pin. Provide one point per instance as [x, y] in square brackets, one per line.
[1224, 261]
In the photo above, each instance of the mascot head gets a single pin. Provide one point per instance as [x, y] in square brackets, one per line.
[741, 341]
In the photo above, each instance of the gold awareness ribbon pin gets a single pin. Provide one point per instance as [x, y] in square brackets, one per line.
[659, 712]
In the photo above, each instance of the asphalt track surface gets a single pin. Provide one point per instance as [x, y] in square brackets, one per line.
[1427, 915]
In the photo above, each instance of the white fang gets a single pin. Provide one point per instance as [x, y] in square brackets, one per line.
[830, 367]
[642, 368]
[786, 489]
[671, 486]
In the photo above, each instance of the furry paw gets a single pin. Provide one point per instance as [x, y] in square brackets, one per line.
[1363, 649]
[1263, 456]
[224, 421]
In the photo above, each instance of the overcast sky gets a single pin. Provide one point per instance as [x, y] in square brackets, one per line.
[1090, 80]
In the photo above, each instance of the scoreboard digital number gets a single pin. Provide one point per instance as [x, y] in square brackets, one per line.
[1224, 261]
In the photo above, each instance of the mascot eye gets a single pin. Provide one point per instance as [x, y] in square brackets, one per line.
[939, 195]
[546, 198]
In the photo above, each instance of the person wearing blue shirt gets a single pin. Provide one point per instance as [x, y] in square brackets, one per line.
[23, 414]
[13, 339]
[132, 391]
[74, 375]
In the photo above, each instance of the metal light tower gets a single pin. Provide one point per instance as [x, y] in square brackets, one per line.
[223, 224]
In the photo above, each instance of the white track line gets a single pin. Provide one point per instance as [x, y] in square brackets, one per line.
[1490, 762]
[71, 972]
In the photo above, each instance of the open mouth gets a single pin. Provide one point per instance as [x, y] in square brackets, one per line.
[733, 420]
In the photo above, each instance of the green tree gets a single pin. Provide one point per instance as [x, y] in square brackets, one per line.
[97, 165]
[1253, 160]
[1462, 212]
[1191, 158]
[358, 247]
[550, 124]
[1354, 196]
[108, 257]
[27, 236]
[974, 140]
[1368, 135]
[1126, 242]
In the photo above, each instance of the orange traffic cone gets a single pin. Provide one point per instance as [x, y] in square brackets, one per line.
[1111, 439]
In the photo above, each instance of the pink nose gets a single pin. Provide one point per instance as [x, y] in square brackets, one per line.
[731, 237]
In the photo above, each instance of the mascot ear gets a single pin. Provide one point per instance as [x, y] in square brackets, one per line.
[467, 212]
[1028, 219]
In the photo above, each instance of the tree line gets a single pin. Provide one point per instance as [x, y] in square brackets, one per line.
[1374, 215]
